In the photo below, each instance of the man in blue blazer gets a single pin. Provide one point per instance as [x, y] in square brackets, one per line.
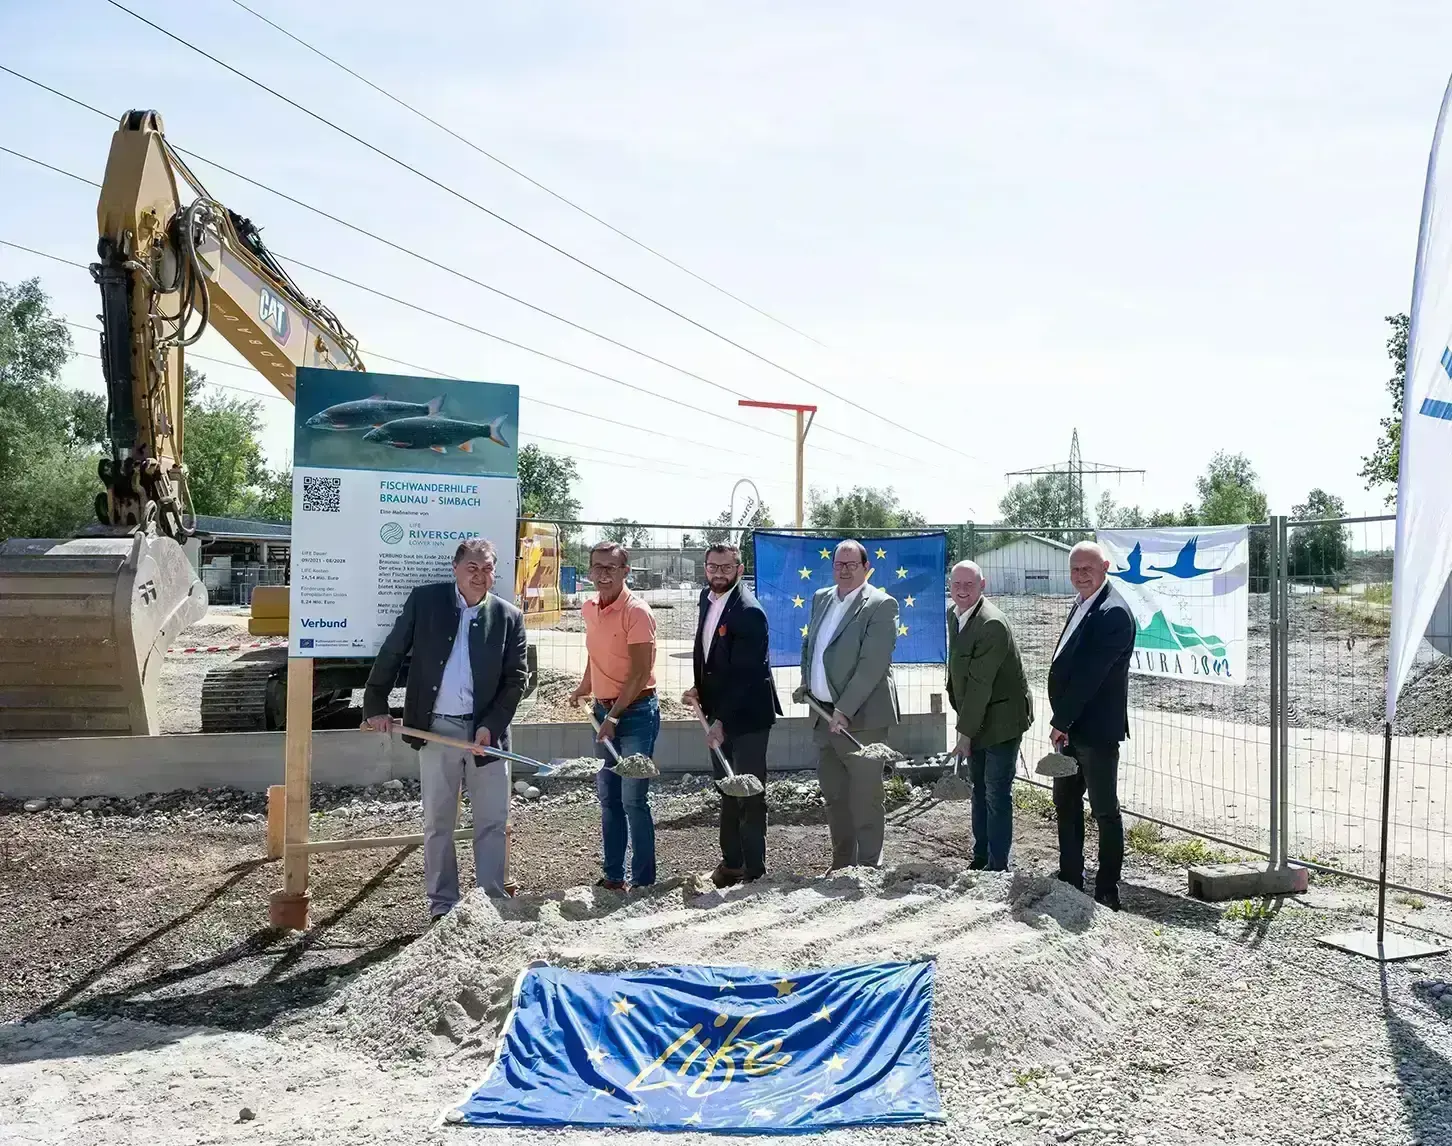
[735, 690]
[1089, 703]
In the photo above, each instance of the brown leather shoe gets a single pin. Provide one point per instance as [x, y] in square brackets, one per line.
[725, 876]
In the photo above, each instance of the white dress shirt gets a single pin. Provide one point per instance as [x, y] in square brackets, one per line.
[1081, 610]
[456, 689]
[713, 619]
[964, 616]
[831, 621]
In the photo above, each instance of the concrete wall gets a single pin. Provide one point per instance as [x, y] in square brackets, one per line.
[134, 765]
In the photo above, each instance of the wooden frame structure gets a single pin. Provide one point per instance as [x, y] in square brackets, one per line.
[289, 806]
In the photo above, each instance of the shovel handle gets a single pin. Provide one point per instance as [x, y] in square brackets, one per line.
[827, 716]
[465, 745]
[716, 748]
[609, 744]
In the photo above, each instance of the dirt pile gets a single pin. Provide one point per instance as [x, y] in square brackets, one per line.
[1025, 964]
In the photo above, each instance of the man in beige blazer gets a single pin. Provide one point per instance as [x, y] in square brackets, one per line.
[847, 670]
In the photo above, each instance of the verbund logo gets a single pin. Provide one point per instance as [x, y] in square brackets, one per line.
[392, 533]
[324, 623]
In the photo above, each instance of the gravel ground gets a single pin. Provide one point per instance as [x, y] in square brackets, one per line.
[1173, 1022]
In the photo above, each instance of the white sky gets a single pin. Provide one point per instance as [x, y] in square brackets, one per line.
[1176, 227]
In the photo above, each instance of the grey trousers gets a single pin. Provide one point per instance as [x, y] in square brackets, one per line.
[442, 772]
[853, 791]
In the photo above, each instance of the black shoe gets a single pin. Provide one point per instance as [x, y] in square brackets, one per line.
[1109, 899]
[978, 864]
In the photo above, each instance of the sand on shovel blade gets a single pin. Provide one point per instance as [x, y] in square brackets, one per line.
[878, 754]
[636, 766]
[741, 785]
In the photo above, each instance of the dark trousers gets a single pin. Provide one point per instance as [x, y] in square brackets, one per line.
[1099, 775]
[743, 819]
[991, 770]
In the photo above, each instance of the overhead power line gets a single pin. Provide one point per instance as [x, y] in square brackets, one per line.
[405, 165]
[275, 396]
[489, 155]
[401, 248]
[424, 310]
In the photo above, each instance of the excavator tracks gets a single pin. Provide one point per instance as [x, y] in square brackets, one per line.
[235, 695]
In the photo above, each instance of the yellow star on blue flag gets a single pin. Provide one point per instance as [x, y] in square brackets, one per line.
[913, 568]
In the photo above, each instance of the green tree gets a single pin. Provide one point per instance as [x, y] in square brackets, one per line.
[625, 531]
[1382, 465]
[860, 508]
[1319, 551]
[1044, 504]
[221, 449]
[547, 485]
[48, 434]
[1230, 494]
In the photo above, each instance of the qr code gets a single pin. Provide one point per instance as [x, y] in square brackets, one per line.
[321, 494]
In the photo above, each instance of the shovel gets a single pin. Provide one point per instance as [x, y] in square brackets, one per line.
[615, 756]
[732, 784]
[827, 716]
[465, 745]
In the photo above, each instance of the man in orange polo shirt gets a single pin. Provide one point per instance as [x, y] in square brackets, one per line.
[620, 676]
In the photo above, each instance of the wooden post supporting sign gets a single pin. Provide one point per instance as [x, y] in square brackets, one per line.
[288, 907]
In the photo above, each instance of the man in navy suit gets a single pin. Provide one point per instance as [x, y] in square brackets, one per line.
[1089, 702]
[734, 688]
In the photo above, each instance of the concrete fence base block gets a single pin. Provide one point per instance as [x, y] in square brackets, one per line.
[1218, 882]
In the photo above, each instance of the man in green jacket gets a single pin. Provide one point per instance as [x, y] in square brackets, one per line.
[989, 692]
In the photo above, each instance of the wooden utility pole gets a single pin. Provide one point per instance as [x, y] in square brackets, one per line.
[805, 416]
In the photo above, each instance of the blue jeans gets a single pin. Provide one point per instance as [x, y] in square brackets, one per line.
[624, 802]
[991, 770]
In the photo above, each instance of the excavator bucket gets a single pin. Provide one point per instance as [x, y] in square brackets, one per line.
[84, 628]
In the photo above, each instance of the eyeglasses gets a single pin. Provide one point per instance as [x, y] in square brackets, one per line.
[606, 568]
[847, 566]
[712, 567]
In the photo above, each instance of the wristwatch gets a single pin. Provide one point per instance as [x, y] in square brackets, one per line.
[612, 720]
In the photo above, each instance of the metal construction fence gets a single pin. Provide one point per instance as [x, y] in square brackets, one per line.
[1288, 764]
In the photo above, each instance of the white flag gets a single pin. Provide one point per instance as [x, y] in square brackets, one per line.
[1424, 487]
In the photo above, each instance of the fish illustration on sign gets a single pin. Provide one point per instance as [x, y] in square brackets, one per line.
[437, 434]
[366, 413]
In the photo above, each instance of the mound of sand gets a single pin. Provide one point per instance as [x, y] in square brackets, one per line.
[1025, 964]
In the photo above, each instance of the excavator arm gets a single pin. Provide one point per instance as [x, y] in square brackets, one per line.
[85, 622]
[173, 262]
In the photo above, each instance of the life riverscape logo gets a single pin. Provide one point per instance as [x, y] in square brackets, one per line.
[1189, 590]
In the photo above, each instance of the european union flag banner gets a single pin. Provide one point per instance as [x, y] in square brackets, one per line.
[714, 1048]
[790, 568]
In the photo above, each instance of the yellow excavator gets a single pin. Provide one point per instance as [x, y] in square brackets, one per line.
[85, 622]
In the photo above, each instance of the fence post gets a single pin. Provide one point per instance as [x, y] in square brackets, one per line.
[1273, 593]
[1285, 699]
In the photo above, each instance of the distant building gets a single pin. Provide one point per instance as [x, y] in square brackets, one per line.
[233, 555]
[1027, 564]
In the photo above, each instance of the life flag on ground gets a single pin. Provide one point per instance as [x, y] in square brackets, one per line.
[1424, 486]
[790, 568]
[1189, 591]
[714, 1049]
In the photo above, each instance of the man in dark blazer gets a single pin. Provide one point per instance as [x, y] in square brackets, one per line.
[989, 692]
[735, 691]
[466, 677]
[1089, 700]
